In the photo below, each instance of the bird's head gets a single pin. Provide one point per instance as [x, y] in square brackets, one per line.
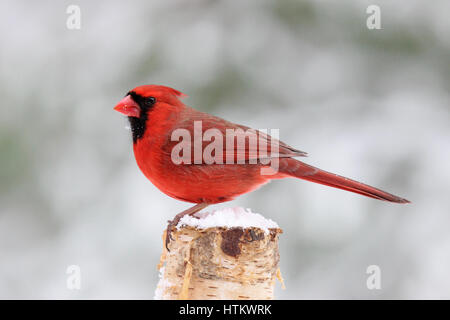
[143, 100]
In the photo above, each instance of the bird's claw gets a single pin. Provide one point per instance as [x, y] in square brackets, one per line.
[172, 224]
[169, 237]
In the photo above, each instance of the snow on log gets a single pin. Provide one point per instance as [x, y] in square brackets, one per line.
[226, 254]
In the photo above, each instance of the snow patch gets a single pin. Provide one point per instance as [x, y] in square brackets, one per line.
[228, 218]
[162, 285]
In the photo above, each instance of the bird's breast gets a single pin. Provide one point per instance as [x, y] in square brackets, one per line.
[194, 183]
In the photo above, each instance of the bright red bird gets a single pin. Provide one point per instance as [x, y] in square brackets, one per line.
[155, 112]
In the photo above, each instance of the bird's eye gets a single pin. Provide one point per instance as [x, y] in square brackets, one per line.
[149, 101]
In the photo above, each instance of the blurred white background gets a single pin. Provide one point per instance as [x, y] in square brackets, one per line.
[369, 104]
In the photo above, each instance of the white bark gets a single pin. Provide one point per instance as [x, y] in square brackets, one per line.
[220, 263]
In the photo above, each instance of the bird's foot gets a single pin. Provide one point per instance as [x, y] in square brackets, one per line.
[170, 228]
[172, 224]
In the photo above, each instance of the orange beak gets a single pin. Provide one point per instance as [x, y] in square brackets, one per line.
[128, 107]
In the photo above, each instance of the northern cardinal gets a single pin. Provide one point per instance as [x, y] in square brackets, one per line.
[155, 112]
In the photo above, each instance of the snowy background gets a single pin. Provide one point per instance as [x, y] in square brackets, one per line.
[369, 104]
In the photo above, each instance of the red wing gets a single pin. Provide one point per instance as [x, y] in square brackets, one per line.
[221, 139]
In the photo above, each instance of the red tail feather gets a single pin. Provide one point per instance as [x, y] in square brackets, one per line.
[301, 170]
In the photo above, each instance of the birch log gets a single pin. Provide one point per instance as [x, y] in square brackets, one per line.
[221, 256]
